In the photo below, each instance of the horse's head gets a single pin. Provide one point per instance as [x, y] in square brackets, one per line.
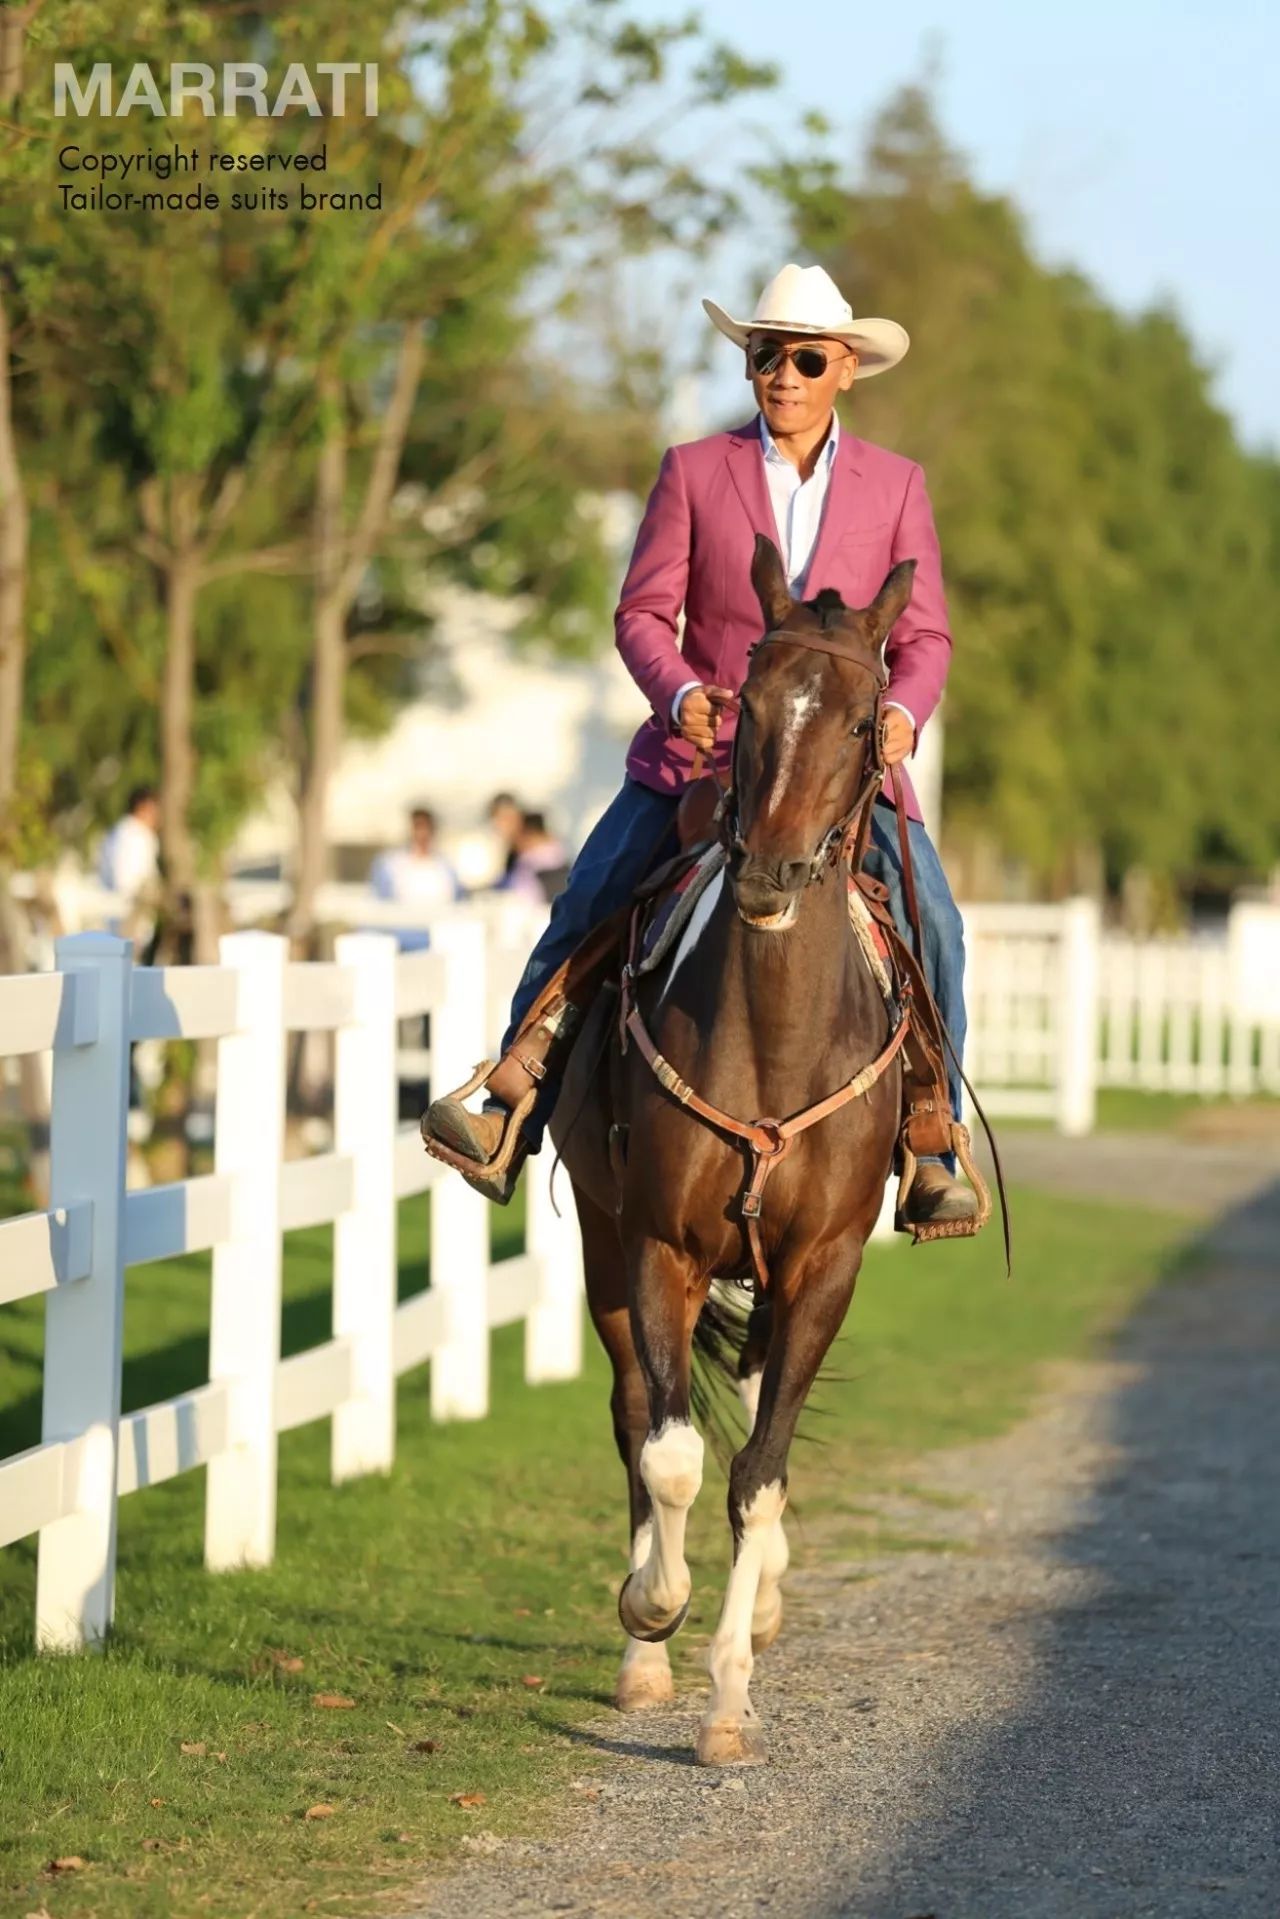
[805, 742]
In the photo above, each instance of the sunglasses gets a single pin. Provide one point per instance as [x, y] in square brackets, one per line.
[811, 362]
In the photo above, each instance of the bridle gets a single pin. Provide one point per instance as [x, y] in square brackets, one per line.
[841, 835]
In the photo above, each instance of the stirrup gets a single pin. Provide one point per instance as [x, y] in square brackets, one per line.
[495, 1167]
[943, 1228]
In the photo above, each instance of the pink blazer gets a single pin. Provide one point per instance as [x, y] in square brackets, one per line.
[693, 551]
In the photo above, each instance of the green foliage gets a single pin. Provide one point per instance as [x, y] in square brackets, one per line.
[1110, 550]
[163, 358]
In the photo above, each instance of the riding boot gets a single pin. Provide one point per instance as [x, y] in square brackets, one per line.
[936, 1195]
[489, 1148]
[479, 1137]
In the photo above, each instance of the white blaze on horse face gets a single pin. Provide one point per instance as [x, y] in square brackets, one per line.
[699, 920]
[804, 701]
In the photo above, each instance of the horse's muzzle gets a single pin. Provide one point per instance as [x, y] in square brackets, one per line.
[766, 892]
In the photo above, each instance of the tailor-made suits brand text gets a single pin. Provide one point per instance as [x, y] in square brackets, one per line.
[104, 196]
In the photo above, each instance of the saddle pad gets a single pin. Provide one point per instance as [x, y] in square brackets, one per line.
[871, 939]
[671, 913]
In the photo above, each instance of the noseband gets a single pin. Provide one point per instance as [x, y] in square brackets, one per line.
[872, 729]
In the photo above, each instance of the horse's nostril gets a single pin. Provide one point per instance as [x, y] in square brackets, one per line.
[792, 875]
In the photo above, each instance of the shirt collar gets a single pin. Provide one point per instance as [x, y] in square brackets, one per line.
[772, 453]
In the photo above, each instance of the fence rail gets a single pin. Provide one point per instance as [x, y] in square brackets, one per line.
[1058, 1008]
[77, 1253]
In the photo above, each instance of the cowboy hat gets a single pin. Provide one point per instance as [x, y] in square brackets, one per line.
[807, 300]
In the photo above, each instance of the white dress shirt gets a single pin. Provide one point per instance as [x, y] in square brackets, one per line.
[128, 859]
[797, 514]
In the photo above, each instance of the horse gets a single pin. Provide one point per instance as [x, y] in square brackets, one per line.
[767, 1006]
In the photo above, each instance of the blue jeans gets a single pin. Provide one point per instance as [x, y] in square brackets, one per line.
[941, 927]
[637, 831]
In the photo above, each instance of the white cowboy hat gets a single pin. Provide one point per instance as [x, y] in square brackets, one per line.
[807, 300]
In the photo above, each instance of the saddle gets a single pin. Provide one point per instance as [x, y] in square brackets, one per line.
[639, 937]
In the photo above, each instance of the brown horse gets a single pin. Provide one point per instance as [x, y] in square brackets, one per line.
[767, 1007]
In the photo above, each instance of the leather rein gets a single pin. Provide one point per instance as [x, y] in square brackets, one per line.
[770, 1140]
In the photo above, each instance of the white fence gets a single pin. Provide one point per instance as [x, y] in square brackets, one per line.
[1057, 1008]
[78, 1252]
[1054, 1009]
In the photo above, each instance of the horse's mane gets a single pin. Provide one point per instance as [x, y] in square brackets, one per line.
[827, 605]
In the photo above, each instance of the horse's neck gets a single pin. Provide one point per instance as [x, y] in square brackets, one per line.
[798, 1010]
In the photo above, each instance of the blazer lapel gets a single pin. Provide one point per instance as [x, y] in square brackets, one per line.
[745, 460]
[837, 511]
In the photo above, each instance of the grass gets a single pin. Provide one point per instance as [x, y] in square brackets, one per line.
[1124, 1109]
[1127, 1109]
[179, 1766]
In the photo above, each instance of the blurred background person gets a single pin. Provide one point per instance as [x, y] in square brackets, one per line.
[506, 825]
[129, 865]
[485, 854]
[416, 875]
[540, 866]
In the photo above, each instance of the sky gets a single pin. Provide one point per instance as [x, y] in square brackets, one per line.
[1141, 140]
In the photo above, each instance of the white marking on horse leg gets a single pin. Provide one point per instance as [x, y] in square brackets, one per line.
[699, 920]
[671, 1467]
[767, 1616]
[728, 1731]
[644, 1678]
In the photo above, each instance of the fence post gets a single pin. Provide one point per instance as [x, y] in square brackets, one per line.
[75, 1581]
[364, 1237]
[553, 1329]
[244, 1331]
[459, 1217]
[1078, 1037]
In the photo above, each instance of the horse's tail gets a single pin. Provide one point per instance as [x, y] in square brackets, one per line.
[718, 1339]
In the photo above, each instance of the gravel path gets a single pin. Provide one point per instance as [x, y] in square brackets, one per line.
[1068, 1712]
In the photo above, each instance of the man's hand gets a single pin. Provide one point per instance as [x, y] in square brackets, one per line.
[701, 711]
[899, 735]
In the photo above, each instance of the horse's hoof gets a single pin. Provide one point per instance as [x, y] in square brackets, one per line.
[641, 1687]
[730, 1742]
[762, 1637]
[640, 1628]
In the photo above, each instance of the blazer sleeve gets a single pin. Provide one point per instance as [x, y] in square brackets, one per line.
[918, 650]
[647, 622]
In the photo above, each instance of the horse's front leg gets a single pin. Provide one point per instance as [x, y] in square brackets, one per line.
[766, 1618]
[645, 1675]
[666, 1295]
[808, 1310]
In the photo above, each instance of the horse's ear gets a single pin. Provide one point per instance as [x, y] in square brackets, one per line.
[769, 578]
[891, 600]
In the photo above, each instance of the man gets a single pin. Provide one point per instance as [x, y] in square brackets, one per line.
[842, 513]
[129, 865]
[506, 821]
[540, 871]
[416, 875]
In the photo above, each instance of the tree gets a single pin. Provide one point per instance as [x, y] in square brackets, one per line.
[1105, 536]
[221, 402]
